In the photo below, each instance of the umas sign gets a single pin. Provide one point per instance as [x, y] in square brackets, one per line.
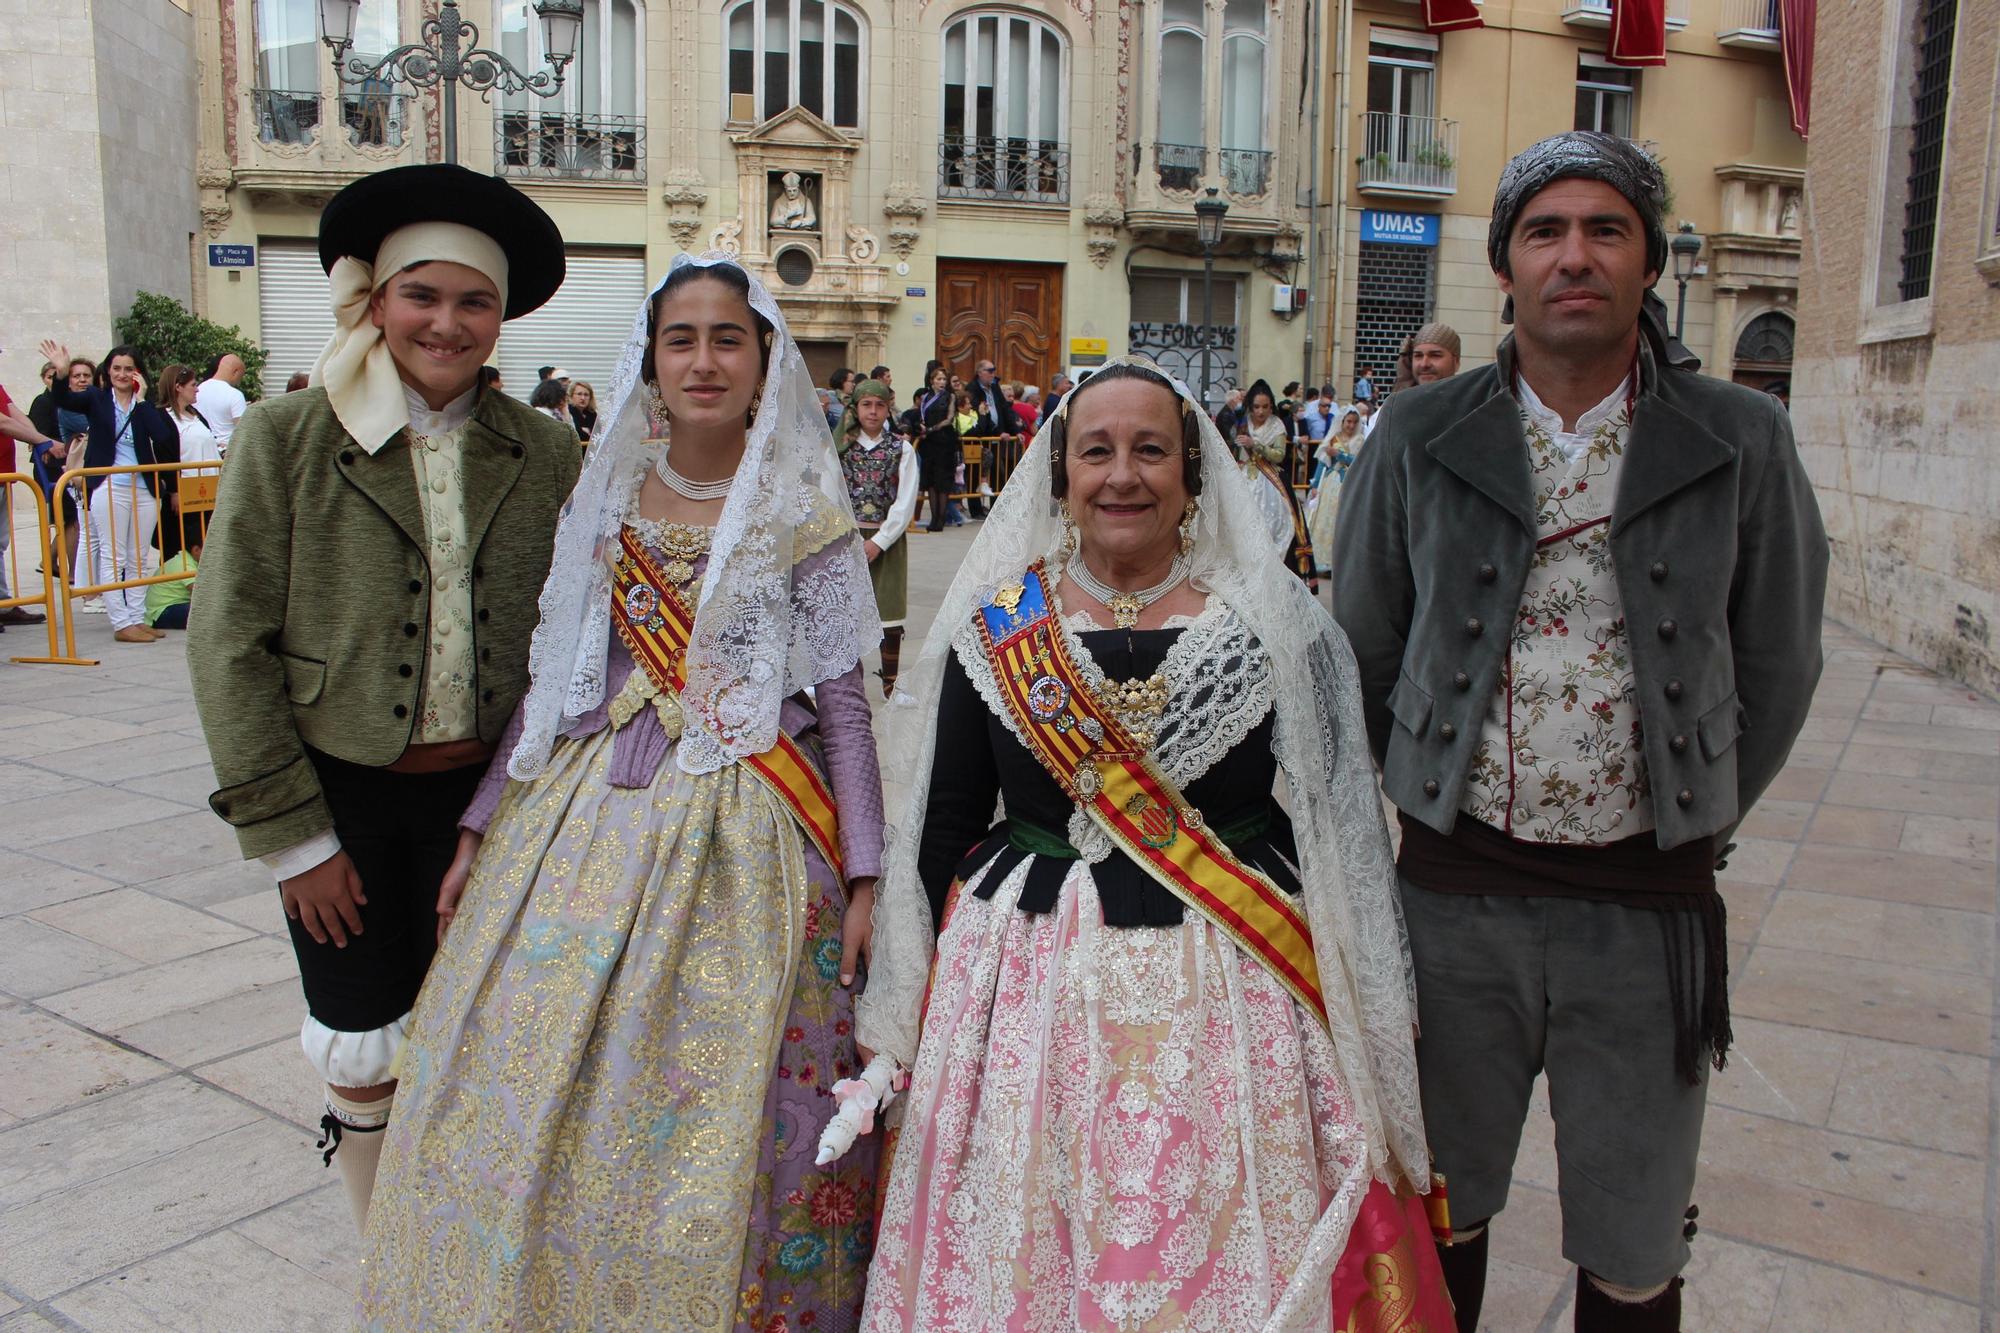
[1399, 228]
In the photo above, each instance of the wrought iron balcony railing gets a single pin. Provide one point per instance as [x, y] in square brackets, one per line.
[556, 146]
[372, 119]
[1749, 23]
[1181, 165]
[1408, 154]
[285, 117]
[1016, 170]
[1246, 170]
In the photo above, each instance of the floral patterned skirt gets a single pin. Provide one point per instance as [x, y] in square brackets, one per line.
[1132, 1129]
[618, 1072]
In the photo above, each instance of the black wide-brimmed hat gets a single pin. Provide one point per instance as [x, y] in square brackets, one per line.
[360, 217]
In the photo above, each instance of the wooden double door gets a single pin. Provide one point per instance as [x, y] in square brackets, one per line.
[1008, 313]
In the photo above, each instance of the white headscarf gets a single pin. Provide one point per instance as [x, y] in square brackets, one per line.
[1345, 862]
[360, 376]
[758, 637]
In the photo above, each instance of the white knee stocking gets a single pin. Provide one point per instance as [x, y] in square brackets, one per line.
[354, 1134]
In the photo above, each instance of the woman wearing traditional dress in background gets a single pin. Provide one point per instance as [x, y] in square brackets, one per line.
[1165, 1078]
[626, 1045]
[1330, 463]
[1263, 440]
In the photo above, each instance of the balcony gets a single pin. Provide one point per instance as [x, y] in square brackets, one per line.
[1181, 166]
[1749, 23]
[372, 119]
[1022, 171]
[556, 146]
[1597, 13]
[1245, 171]
[1407, 155]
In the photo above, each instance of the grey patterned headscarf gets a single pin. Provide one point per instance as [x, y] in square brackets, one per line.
[1626, 168]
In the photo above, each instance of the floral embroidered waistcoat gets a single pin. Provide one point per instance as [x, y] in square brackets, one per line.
[446, 709]
[1559, 757]
[871, 480]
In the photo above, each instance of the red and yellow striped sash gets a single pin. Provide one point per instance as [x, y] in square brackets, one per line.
[1088, 751]
[655, 625]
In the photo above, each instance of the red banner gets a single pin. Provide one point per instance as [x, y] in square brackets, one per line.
[1638, 33]
[1795, 37]
[1445, 15]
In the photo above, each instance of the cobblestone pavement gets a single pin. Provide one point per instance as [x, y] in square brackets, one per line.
[156, 1161]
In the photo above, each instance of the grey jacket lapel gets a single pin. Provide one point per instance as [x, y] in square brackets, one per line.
[1488, 451]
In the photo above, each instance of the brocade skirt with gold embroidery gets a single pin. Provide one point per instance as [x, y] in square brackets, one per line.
[618, 1071]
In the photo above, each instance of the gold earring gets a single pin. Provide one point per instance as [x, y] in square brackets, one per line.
[756, 404]
[1068, 547]
[1187, 529]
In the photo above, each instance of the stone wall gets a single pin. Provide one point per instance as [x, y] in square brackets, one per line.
[146, 83]
[1901, 430]
[52, 259]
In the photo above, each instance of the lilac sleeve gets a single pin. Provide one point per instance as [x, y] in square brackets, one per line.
[486, 799]
[848, 738]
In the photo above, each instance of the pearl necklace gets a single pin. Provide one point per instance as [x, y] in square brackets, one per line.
[691, 490]
[1125, 607]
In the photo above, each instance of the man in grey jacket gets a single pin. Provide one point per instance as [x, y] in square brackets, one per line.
[1584, 588]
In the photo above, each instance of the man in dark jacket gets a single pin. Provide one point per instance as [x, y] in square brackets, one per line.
[1584, 589]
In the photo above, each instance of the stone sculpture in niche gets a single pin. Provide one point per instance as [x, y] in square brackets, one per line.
[791, 206]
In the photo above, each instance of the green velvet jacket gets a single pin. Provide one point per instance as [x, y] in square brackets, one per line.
[315, 598]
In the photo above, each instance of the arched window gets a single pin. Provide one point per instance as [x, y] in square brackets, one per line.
[1005, 109]
[595, 128]
[1183, 146]
[787, 53]
[290, 59]
[1245, 163]
[1766, 342]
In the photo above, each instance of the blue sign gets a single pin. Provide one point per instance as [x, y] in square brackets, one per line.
[1399, 228]
[915, 291]
[232, 256]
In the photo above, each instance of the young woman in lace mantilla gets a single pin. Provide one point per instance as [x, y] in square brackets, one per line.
[626, 1048]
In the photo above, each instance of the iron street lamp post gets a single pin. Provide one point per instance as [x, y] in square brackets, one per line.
[1208, 214]
[449, 54]
[1686, 246]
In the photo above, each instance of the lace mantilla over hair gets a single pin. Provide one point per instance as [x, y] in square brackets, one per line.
[1345, 863]
[761, 633]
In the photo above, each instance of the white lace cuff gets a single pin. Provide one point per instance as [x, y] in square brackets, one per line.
[301, 857]
[354, 1059]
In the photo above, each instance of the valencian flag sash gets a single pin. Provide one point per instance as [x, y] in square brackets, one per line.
[655, 625]
[1092, 756]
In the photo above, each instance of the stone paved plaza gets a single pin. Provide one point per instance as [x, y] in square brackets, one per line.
[156, 1160]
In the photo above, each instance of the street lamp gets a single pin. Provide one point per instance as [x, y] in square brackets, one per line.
[1685, 246]
[1209, 210]
[449, 55]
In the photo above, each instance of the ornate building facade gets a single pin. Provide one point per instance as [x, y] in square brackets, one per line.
[914, 178]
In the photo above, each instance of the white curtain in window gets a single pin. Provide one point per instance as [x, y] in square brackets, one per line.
[603, 80]
[1181, 93]
[288, 49]
[1243, 93]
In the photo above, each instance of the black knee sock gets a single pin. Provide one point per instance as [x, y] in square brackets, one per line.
[892, 652]
[1464, 1267]
[1598, 1312]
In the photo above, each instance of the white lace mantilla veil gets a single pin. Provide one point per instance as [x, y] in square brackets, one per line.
[757, 638]
[1345, 862]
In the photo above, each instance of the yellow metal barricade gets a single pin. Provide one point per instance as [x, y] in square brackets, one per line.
[13, 485]
[122, 538]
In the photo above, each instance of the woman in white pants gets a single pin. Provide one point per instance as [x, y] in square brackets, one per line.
[125, 430]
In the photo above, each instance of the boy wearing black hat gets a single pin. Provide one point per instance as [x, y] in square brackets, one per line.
[1583, 586]
[380, 544]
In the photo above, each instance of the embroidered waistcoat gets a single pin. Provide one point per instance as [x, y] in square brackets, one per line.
[871, 479]
[1559, 757]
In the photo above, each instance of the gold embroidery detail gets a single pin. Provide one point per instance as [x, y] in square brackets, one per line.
[1391, 1303]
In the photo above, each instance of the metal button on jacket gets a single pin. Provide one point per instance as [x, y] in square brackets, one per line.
[410, 629]
[1487, 573]
[1673, 690]
[1685, 798]
[1462, 681]
[1473, 627]
[1678, 745]
[1668, 629]
[1658, 571]
[1446, 731]
[1431, 787]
